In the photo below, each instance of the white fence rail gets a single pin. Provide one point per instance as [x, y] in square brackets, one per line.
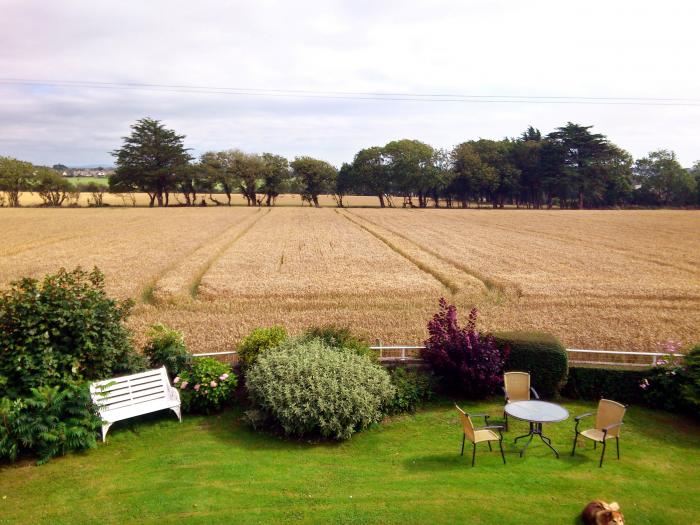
[577, 356]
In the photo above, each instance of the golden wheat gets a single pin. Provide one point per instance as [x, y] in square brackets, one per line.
[601, 279]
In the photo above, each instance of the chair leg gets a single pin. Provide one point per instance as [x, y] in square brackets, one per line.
[473, 453]
[500, 445]
[573, 450]
[595, 445]
[505, 419]
[464, 436]
[617, 445]
[490, 449]
[602, 455]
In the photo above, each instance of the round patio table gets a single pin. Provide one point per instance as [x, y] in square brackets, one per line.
[536, 413]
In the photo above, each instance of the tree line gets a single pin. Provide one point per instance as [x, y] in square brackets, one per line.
[571, 167]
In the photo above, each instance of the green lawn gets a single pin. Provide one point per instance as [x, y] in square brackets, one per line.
[408, 470]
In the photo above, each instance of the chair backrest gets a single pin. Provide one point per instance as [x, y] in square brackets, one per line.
[609, 413]
[467, 425]
[121, 392]
[517, 385]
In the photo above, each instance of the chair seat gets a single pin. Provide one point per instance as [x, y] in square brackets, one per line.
[595, 434]
[485, 435]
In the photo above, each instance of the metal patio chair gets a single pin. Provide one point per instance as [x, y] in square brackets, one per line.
[481, 434]
[516, 387]
[608, 422]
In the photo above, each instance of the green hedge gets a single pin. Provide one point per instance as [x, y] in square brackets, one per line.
[540, 354]
[595, 383]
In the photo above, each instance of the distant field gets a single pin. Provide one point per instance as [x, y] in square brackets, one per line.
[596, 279]
[102, 181]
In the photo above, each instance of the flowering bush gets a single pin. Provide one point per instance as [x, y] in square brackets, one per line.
[663, 387]
[206, 385]
[466, 361]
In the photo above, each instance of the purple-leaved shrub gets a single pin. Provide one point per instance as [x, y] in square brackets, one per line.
[466, 361]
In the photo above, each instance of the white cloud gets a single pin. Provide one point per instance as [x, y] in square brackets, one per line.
[620, 49]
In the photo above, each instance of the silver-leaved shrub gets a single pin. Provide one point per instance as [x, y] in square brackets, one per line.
[313, 390]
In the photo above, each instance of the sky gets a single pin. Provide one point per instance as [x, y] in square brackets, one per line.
[337, 52]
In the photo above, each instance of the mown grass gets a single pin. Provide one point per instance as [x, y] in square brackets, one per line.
[408, 470]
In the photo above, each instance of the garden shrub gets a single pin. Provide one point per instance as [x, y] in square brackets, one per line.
[166, 347]
[465, 361]
[49, 422]
[206, 385]
[260, 340]
[540, 354]
[341, 338]
[62, 329]
[413, 387]
[311, 389]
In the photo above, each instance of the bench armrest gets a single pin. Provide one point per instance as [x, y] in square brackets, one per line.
[534, 392]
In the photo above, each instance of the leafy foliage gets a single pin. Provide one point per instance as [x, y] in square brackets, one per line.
[49, 422]
[62, 329]
[595, 383]
[465, 361]
[691, 390]
[413, 387]
[260, 340]
[340, 338]
[541, 355]
[166, 347]
[206, 385]
[311, 389]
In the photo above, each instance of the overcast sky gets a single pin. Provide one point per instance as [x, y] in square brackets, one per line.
[493, 48]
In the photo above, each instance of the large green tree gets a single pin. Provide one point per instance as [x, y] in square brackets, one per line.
[315, 177]
[151, 160]
[16, 176]
[412, 167]
[372, 175]
[662, 177]
[585, 158]
[276, 177]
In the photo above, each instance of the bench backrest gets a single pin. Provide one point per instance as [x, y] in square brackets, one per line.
[125, 391]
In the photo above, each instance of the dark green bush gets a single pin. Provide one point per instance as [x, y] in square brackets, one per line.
[413, 387]
[596, 383]
[62, 329]
[49, 422]
[339, 337]
[540, 354]
[311, 389]
[260, 340]
[691, 388]
[166, 347]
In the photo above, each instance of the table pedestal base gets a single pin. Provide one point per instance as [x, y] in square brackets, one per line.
[536, 430]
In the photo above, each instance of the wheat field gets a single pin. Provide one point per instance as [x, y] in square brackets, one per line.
[619, 280]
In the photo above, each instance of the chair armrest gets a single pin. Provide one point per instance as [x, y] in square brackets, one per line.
[485, 416]
[610, 427]
[491, 427]
[579, 418]
[534, 392]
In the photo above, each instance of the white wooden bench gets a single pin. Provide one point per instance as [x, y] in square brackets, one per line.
[130, 396]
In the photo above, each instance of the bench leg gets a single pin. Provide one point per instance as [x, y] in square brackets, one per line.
[177, 413]
[105, 429]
